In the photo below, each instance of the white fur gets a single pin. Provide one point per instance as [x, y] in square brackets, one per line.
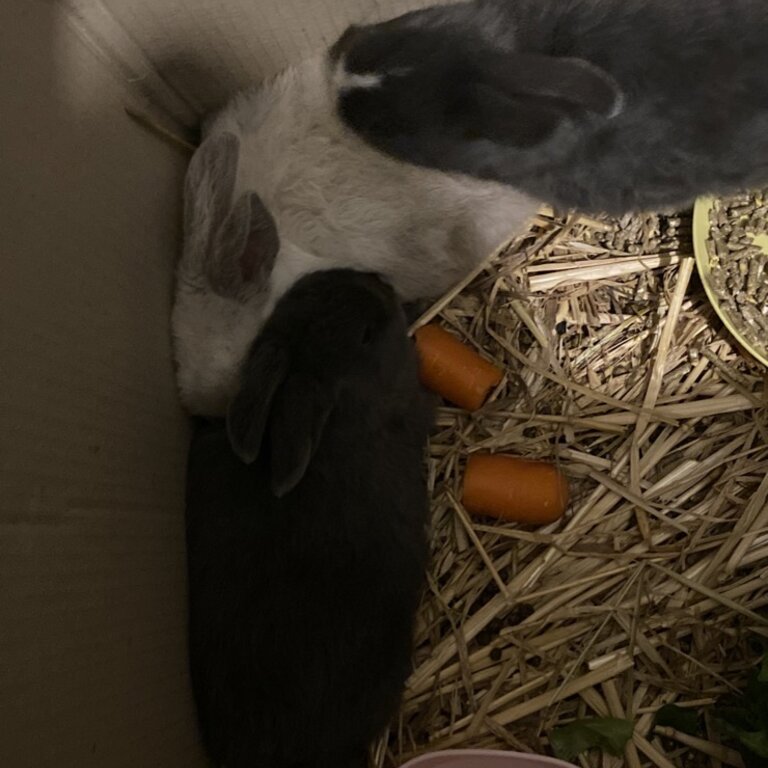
[336, 202]
[347, 81]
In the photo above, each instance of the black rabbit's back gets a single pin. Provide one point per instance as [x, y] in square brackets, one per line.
[301, 608]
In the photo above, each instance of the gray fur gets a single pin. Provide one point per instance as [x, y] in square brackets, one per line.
[690, 115]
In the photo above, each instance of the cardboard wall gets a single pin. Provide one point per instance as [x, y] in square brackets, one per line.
[93, 669]
[191, 54]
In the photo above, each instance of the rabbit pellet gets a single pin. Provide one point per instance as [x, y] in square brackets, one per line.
[738, 263]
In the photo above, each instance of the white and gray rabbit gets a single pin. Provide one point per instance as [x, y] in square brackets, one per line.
[307, 524]
[281, 187]
[602, 105]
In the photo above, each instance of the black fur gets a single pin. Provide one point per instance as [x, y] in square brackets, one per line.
[306, 564]
[690, 77]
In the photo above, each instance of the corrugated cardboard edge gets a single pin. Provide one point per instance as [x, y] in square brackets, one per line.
[107, 38]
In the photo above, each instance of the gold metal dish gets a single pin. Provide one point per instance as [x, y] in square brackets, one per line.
[701, 230]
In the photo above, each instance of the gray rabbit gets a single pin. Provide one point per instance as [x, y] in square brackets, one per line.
[602, 105]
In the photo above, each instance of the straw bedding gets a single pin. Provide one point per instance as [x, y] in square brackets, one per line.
[653, 588]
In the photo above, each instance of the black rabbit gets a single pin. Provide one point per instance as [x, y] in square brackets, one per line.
[307, 532]
[612, 105]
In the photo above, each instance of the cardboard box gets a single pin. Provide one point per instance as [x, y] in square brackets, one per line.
[93, 667]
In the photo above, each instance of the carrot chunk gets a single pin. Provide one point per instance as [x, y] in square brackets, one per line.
[514, 489]
[453, 370]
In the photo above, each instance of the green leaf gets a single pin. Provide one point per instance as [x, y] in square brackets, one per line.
[735, 716]
[683, 720]
[607, 733]
[756, 701]
[762, 675]
[743, 718]
[757, 741]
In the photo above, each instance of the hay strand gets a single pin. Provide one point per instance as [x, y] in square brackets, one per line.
[652, 586]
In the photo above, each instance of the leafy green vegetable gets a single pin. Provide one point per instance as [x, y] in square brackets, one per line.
[762, 675]
[756, 741]
[744, 718]
[607, 733]
[679, 718]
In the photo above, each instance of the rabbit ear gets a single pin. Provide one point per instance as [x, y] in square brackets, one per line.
[247, 416]
[244, 249]
[299, 416]
[521, 98]
[568, 82]
[511, 121]
[208, 188]
[234, 245]
[478, 112]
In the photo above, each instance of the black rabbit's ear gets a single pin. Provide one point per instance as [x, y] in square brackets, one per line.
[299, 417]
[247, 417]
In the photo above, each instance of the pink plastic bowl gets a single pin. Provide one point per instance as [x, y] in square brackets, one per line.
[483, 758]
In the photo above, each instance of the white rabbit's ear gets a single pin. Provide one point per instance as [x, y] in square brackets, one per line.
[208, 189]
[233, 243]
[244, 249]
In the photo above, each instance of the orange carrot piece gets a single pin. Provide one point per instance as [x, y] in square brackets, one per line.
[453, 370]
[514, 489]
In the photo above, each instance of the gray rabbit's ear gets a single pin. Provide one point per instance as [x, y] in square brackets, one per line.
[244, 249]
[523, 96]
[476, 111]
[300, 414]
[519, 100]
[569, 82]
